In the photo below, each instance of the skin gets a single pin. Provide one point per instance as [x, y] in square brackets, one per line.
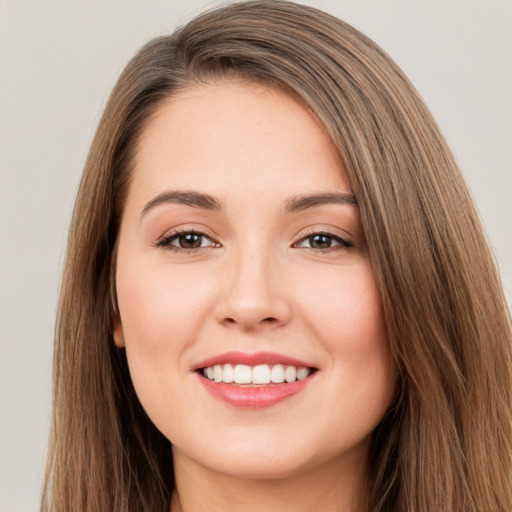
[258, 283]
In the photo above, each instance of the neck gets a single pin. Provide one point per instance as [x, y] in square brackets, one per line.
[332, 487]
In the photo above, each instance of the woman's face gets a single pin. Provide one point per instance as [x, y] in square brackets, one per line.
[241, 256]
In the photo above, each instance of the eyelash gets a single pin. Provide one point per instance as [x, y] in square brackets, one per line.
[167, 242]
[343, 244]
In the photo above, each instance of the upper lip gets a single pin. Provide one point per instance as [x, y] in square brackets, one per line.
[257, 358]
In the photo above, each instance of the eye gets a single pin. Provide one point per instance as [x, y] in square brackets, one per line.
[323, 242]
[187, 240]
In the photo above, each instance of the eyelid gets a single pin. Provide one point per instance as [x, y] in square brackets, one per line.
[322, 229]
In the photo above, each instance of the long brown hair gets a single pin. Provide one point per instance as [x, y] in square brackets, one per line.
[446, 442]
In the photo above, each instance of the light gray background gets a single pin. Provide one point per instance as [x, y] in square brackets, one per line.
[58, 62]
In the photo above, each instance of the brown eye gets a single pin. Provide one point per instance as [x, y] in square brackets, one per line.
[187, 240]
[190, 240]
[320, 241]
[323, 242]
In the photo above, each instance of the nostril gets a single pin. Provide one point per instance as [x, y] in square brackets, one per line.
[268, 320]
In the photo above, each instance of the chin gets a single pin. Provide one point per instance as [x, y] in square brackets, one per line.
[261, 466]
[270, 458]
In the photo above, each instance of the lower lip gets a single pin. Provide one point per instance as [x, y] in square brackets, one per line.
[254, 396]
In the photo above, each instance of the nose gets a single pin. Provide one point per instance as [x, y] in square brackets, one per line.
[254, 297]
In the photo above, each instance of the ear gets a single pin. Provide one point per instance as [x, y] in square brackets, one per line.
[118, 333]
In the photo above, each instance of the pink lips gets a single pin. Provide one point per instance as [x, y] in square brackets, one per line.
[252, 396]
[251, 360]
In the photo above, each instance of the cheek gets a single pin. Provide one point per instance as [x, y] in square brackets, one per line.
[347, 319]
[162, 313]
[344, 305]
[159, 304]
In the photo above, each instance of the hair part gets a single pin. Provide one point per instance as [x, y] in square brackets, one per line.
[446, 443]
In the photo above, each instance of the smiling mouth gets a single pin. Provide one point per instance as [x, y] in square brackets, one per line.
[255, 380]
[242, 375]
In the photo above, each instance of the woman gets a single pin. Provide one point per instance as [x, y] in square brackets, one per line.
[274, 265]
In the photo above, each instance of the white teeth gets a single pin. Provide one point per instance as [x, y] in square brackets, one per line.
[290, 374]
[217, 373]
[260, 374]
[228, 374]
[302, 373]
[243, 374]
[277, 374]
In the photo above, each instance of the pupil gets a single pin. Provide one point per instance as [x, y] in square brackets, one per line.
[320, 242]
[190, 241]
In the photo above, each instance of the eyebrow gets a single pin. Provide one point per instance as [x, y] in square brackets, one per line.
[299, 203]
[188, 198]
[208, 202]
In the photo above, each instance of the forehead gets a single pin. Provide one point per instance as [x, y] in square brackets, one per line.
[230, 137]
